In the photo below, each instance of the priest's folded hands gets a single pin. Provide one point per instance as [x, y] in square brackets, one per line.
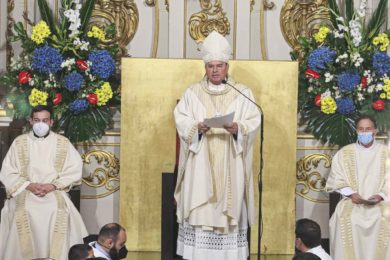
[40, 189]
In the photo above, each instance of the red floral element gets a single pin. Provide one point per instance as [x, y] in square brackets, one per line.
[92, 98]
[363, 82]
[24, 76]
[82, 64]
[312, 74]
[317, 100]
[378, 105]
[57, 99]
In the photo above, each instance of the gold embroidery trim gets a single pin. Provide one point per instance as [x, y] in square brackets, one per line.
[346, 230]
[60, 227]
[23, 226]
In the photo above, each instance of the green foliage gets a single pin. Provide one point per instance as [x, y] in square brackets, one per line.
[333, 94]
[85, 13]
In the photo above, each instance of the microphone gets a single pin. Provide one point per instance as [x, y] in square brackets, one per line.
[260, 182]
[253, 102]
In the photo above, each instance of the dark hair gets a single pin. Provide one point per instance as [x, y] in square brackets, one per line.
[79, 252]
[362, 117]
[40, 108]
[309, 232]
[306, 256]
[110, 230]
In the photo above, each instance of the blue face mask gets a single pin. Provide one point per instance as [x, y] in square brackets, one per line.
[365, 137]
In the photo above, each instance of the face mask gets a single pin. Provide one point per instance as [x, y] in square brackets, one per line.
[365, 138]
[40, 129]
[122, 253]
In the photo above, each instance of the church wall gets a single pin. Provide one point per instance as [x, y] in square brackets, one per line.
[255, 33]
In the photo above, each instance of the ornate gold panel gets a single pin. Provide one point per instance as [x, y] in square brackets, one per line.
[106, 175]
[124, 13]
[302, 18]
[309, 178]
[209, 19]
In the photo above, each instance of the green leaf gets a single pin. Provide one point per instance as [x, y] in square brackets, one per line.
[46, 14]
[382, 117]
[349, 9]
[377, 20]
[334, 12]
[87, 126]
[85, 13]
[335, 129]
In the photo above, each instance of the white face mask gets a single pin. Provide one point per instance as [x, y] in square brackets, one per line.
[40, 129]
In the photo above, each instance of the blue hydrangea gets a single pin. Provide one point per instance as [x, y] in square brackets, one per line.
[348, 81]
[318, 58]
[78, 106]
[73, 81]
[345, 106]
[47, 60]
[103, 64]
[381, 63]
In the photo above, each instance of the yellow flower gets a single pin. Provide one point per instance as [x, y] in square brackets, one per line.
[383, 95]
[96, 32]
[320, 36]
[375, 41]
[37, 97]
[383, 48]
[328, 105]
[104, 93]
[388, 95]
[40, 32]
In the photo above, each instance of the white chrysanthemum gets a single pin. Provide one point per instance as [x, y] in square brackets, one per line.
[328, 77]
[327, 93]
[360, 97]
[310, 89]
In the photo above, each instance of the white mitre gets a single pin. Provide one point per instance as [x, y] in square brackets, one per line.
[215, 48]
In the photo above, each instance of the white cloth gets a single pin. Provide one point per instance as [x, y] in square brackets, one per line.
[320, 252]
[98, 251]
[214, 191]
[40, 227]
[359, 232]
[216, 48]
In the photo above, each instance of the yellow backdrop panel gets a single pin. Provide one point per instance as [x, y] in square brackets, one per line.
[150, 88]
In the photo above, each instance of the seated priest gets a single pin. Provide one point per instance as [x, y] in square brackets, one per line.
[38, 219]
[358, 230]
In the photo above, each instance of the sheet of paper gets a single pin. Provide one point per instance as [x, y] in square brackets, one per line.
[219, 121]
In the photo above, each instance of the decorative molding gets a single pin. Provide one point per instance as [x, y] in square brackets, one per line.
[9, 33]
[268, 5]
[302, 18]
[150, 3]
[309, 178]
[167, 5]
[124, 13]
[106, 175]
[154, 3]
[252, 3]
[212, 17]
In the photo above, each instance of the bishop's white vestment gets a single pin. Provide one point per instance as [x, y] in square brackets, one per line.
[214, 191]
[40, 227]
[359, 232]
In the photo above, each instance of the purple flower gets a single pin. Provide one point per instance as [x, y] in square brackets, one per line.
[347, 81]
[103, 64]
[73, 81]
[78, 106]
[345, 106]
[381, 63]
[318, 58]
[47, 60]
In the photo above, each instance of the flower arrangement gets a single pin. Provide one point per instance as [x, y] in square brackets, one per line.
[65, 65]
[344, 73]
